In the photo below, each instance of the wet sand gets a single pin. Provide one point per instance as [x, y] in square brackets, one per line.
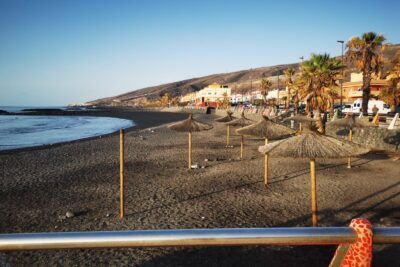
[38, 186]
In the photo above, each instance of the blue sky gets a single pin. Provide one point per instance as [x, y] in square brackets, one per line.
[60, 52]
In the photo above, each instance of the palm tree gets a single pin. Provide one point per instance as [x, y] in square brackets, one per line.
[289, 73]
[296, 89]
[318, 75]
[391, 93]
[265, 86]
[366, 54]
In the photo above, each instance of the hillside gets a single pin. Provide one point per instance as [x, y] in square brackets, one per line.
[239, 81]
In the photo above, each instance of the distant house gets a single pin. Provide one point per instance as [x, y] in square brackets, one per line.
[236, 98]
[213, 93]
[352, 90]
[210, 95]
[277, 94]
[188, 98]
[240, 98]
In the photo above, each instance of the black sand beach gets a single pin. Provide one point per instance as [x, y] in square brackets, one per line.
[38, 186]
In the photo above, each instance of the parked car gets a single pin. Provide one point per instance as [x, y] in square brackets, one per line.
[383, 108]
[248, 104]
[302, 107]
[346, 108]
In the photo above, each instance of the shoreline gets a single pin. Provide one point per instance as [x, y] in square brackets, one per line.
[141, 122]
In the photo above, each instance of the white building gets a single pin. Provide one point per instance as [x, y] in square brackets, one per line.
[210, 95]
[277, 94]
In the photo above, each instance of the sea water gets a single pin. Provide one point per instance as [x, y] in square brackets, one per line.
[27, 131]
[21, 108]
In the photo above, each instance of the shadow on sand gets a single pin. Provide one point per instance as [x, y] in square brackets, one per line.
[275, 180]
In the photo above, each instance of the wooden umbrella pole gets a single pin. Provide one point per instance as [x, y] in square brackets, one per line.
[190, 150]
[121, 173]
[266, 166]
[350, 139]
[313, 192]
[227, 135]
[300, 127]
[241, 147]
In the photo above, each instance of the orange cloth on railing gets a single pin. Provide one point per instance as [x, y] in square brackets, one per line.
[359, 253]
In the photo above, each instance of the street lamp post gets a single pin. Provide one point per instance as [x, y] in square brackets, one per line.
[297, 91]
[279, 102]
[341, 80]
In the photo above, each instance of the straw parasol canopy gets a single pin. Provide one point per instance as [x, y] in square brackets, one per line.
[351, 122]
[312, 145]
[227, 118]
[265, 128]
[190, 125]
[301, 119]
[242, 121]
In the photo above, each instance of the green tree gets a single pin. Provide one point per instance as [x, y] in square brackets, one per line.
[366, 54]
[165, 99]
[318, 75]
[272, 102]
[265, 86]
[391, 93]
[224, 102]
[289, 75]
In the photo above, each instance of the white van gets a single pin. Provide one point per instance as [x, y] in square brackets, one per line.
[357, 104]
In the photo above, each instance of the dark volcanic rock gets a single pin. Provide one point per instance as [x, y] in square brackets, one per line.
[42, 110]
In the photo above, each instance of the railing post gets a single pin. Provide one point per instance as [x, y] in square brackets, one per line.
[121, 173]
[359, 253]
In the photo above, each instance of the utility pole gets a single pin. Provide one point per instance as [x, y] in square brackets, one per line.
[341, 80]
[279, 102]
[297, 91]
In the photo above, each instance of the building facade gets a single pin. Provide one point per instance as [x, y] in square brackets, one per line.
[188, 98]
[209, 96]
[214, 93]
[352, 90]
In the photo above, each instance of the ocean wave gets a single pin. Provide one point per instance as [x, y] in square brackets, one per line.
[27, 131]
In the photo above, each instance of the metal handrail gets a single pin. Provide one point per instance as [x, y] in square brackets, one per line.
[192, 237]
[386, 235]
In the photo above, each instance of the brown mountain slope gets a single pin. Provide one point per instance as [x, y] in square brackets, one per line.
[239, 81]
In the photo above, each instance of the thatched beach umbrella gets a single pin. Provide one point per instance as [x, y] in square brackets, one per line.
[241, 122]
[301, 119]
[312, 145]
[351, 122]
[190, 125]
[267, 129]
[227, 118]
